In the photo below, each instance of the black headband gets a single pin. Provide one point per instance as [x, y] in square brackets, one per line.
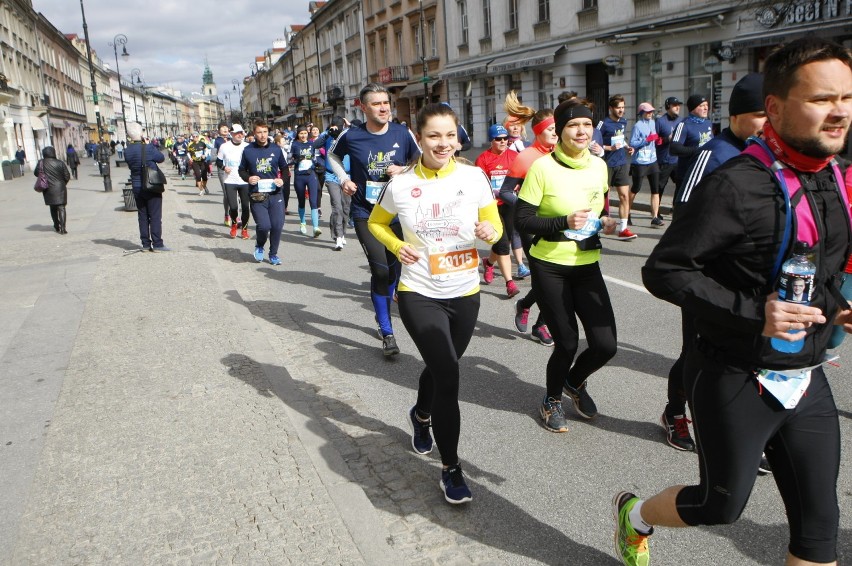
[568, 113]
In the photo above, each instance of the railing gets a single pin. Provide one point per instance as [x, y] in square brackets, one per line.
[393, 74]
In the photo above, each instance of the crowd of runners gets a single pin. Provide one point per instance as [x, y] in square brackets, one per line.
[742, 200]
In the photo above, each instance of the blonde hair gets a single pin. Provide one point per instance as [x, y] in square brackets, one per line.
[513, 107]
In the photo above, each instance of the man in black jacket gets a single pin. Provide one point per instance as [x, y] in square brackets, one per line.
[717, 262]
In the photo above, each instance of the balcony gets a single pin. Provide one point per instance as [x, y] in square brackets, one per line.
[334, 93]
[389, 75]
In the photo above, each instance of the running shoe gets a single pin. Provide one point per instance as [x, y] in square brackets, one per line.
[552, 415]
[523, 271]
[317, 232]
[201, 192]
[660, 216]
[244, 235]
[421, 437]
[389, 347]
[631, 547]
[453, 485]
[764, 468]
[274, 260]
[487, 271]
[511, 289]
[542, 335]
[258, 254]
[303, 228]
[626, 234]
[338, 245]
[234, 230]
[656, 222]
[343, 240]
[583, 403]
[227, 220]
[522, 317]
[206, 191]
[677, 432]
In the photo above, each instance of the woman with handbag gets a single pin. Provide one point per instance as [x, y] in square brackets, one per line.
[56, 193]
[149, 203]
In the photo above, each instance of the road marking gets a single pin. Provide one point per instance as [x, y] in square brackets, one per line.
[626, 284]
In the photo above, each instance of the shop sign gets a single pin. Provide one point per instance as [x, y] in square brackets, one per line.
[612, 61]
[805, 12]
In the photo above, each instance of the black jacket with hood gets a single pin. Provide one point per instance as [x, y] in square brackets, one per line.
[57, 177]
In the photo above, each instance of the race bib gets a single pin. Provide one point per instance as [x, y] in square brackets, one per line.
[787, 386]
[589, 229]
[373, 190]
[199, 154]
[616, 141]
[305, 165]
[452, 261]
[266, 186]
[496, 183]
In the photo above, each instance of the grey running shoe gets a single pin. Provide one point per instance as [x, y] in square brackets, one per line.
[552, 415]
[389, 347]
[677, 432]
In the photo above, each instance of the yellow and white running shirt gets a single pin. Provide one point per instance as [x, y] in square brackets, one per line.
[437, 211]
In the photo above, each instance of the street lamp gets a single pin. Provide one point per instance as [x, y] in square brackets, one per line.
[238, 89]
[137, 74]
[423, 56]
[120, 39]
[228, 98]
[105, 170]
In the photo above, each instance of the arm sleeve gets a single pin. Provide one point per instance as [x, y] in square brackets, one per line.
[526, 210]
[379, 225]
[637, 138]
[490, 213]
[283, 167]
[337, 167]
[711, 223]
[677, 146]
[509, 189]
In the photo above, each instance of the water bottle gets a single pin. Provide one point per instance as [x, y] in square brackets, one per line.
[795, 285]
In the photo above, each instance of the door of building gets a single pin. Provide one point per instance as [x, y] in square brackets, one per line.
[597, 88]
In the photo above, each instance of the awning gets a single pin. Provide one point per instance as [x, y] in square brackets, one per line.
[416, 89]
[458, 72]
[291, 117]
[526, 59]
[56, 123]
[36, 123]
[785, 34]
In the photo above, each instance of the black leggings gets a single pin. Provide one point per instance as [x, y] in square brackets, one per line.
[733, 423]
[384, 272]
[238, 196]
[676, 404]
[530, 298]
[441, 329]
[569, 292]
[503, 246]
[199, 169]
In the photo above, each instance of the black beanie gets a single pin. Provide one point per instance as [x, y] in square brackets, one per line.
[747, 95]
[695, 101]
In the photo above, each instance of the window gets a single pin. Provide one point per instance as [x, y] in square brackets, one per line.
[649, 78]
[544, 10]
[433, 39]
[513, 15]
[384, 46]
[399, 47]
[415, 32]
[463, 20]
[486, 18]
[590, 4]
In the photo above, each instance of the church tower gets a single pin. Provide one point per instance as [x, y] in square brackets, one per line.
[208, 87]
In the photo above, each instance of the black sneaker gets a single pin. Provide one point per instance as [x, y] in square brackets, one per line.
[656, 222]
[677, 432]
[552, 415]
[764, 468]
[583, 403]
[630, 220]
[421, 437]
[389, 347]
[453, 485]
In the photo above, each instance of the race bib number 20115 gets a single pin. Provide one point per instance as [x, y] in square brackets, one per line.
[453, 260]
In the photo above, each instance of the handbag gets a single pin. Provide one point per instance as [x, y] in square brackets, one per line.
[41, 183]
[153, 180]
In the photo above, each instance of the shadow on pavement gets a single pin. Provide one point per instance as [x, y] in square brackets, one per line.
[401, 484]
[122, 244]
[40, 228]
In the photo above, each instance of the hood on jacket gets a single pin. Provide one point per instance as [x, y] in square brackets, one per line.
[48, 153]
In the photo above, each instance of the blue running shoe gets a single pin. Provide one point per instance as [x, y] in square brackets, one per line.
[421, 438]
[453, 485]
[523, 271]
[274, 260]
[258, 254]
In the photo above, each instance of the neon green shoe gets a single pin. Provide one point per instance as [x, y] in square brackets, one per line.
[630, 546]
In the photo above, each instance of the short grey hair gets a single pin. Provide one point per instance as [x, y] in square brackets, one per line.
[134, 131]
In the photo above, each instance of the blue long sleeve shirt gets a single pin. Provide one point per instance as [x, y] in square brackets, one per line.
[646, 151]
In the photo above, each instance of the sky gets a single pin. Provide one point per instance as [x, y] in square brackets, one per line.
[168, 40]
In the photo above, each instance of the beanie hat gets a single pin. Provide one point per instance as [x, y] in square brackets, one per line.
[695, 101]
[497, 131]
[747, 95]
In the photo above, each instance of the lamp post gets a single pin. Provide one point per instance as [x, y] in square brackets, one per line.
[105, 167]
[120, 39]
[423, 56]
[228, 98]
[137, 74]
[238, 89]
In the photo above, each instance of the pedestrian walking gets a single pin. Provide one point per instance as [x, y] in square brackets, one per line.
[56, 194]
[149, 204]
[72, 159]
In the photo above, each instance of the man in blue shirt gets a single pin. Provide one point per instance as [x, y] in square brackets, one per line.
[666, 125]
[690, 135]
[378, 150]
[616, 152]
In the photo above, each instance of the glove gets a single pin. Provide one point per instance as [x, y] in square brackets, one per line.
[652, 137]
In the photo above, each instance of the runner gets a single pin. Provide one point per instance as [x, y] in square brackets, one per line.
[236, 190]
[720, 258]
[643, 141]
[439, 285]
[377, 150]
[495, 163]
[340, 202]
[561, 204]
[180, 151]
[544, 128]
[616, 153]
[303, 154]
[264, 168]
[197, 151]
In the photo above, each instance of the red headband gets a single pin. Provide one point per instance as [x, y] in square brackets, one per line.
[543, 125]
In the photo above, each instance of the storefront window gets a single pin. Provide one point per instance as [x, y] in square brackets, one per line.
[490, 101]
[705, 78]
[545, 95]
[649, 78]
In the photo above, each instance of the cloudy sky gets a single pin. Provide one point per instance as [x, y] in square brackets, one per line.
[168, 39]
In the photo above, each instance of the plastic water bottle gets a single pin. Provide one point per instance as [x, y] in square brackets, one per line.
[795, 285]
